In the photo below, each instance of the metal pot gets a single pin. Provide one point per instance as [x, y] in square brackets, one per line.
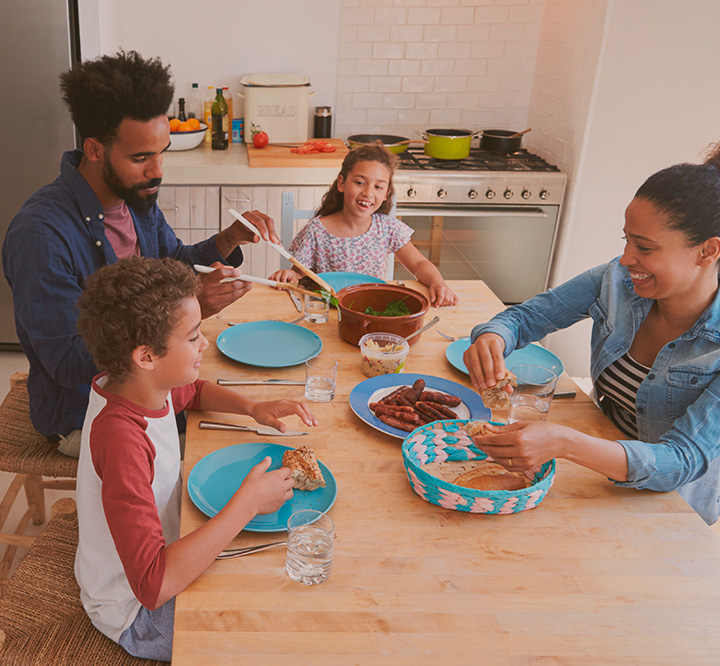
[395, 144]
[501, 141]
[448, 144]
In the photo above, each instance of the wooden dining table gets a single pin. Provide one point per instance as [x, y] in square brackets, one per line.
[595, 574]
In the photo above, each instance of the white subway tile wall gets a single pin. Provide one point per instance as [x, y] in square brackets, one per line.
[406, 65]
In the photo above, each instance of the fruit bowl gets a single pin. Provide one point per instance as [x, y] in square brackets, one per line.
[187, 140]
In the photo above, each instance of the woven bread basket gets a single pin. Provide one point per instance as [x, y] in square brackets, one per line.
[442, 441]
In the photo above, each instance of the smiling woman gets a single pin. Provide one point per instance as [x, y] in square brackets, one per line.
[655, 350]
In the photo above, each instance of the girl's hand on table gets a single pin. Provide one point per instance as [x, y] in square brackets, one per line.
[441, 295]
[484, 361]
[265, 491]
[284, 275]
[269, 413]
[525, 445]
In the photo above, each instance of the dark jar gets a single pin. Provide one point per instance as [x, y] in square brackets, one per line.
[323, 122]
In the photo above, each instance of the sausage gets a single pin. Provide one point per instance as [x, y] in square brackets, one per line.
[405, 416]
[428, 410]
[445, 411]
[440, 398]
[394, 423]
[402, 400]
[393, 395]
[395, 408]
[413, 395]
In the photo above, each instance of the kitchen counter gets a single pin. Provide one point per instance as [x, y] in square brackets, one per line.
[204, 166]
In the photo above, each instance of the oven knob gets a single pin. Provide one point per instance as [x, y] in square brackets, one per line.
[412, 192]
[508, 193]
[442, 193]
[473, 193]
[525, 194]
[544, 194]
[490, 194]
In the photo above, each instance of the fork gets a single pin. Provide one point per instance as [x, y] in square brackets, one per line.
[451, 338]
[229, 553]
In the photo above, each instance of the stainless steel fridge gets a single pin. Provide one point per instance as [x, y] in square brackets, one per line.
[39, 39]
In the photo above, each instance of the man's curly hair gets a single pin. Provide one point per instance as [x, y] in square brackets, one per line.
[101, 93]
[134, 302]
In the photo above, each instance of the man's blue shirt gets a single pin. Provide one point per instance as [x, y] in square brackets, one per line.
[53, 244]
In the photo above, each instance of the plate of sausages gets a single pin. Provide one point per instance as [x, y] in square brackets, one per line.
[397, 404]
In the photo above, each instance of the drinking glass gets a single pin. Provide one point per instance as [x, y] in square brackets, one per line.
[310, 546]
[531, 398]
[317, 309]
[320, 379]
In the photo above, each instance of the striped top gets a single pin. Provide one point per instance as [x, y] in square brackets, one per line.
[617, 388]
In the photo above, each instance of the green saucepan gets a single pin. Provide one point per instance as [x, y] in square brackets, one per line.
[448, 144]
[395, 144]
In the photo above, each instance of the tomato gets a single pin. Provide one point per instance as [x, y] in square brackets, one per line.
[313, 147]
[260, 138]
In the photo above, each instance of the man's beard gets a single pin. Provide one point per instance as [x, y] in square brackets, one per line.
[130, 195]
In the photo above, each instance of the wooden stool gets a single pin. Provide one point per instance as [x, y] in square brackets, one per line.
[27, 454]
[42, 620]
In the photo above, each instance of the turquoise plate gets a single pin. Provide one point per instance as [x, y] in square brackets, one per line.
[214, 480]
[269, 344]
[340, 280]
[532, 355]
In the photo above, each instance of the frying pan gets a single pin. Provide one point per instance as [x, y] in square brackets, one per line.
[395, 144]
[501, 141]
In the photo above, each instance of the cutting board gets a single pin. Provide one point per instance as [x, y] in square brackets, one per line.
[280, 156]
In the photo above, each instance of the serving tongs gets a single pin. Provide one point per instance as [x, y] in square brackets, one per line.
[259, 382]
[252, 278]
[279, 248]
[229, 553]
[260, 430]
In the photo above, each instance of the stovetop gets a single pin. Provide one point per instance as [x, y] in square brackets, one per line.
[414, 159]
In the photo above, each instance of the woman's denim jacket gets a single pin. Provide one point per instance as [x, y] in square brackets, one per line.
[678, 404]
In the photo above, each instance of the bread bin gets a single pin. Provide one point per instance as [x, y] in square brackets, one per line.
[353, 323]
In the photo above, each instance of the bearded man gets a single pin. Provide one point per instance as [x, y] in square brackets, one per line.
[101, 208]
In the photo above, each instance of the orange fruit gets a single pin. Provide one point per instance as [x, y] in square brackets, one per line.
[194, 123]
[174, 125]
[185, 127]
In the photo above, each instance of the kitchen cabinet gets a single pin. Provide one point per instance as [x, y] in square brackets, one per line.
[192, 211]
[261, 260]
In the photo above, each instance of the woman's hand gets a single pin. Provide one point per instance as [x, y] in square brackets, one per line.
[484, 361]
[265, 491]
[284, 275]
[441, 295]
[269, 413]
[525, 445]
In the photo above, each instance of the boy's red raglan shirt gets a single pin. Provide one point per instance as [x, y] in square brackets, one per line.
[128, 495]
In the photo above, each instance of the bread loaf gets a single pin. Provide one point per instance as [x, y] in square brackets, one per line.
[497, 396]
[304, 468]
[473, 428]
[491, 476]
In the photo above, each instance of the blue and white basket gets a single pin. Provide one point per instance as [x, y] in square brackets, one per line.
[446, 441]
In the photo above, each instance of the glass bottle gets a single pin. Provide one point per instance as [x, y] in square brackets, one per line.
[207, 112]
[323, 122]
[219, 122]
[195, 103]
[229, 102]
[181, 113]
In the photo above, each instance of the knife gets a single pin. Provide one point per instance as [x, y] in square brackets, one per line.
[258, 382]
[297, 302]
[260, 430]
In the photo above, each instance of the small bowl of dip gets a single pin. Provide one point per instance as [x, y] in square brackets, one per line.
[382, 354]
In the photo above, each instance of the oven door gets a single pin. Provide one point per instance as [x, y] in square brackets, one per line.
[509, 247]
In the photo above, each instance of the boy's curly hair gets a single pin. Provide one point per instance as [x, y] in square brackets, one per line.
[134, 302]
[101, 93]
[332, 201]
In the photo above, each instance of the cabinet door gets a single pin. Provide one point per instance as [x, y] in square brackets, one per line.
[260, 259]
[192, 211]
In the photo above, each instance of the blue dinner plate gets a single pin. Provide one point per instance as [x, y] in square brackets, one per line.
[339, 280]
[371, 390]
[214, 480]
[530, 355]
[269, 344]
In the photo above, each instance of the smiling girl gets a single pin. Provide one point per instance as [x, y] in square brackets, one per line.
[655, 348]
[352, 230]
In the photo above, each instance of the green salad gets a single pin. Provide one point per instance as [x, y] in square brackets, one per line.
[392, 309]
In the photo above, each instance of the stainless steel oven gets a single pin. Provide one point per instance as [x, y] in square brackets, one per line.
[490, 217]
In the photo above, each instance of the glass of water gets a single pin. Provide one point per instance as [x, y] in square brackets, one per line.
[531, 398]
[320, 379]
[317, 309]
[310, 546]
